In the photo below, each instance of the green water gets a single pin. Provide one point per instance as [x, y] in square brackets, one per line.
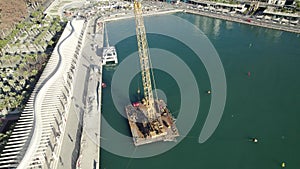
[265, 105]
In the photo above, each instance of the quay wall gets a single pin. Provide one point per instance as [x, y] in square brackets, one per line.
[244, 21]
[239, 19]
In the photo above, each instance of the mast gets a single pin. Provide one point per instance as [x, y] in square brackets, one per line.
[107, 44]
[144, 60]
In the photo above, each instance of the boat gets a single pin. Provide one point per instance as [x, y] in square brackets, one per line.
[109, 53]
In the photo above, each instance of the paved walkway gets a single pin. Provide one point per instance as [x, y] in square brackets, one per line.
[36, 140]
[69, 152]
[57, 6]
[90, 141]
[241, 19]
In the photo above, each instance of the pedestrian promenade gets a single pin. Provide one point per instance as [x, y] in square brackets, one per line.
[35, 141]
[90, 140]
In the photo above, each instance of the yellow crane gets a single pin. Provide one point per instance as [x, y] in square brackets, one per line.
[151, 121]
[145, 62]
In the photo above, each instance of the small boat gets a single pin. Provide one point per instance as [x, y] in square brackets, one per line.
[103, 85]
[136, 104]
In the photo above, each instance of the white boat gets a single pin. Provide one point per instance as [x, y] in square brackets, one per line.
[294, 22]
[259, 16]
[109, 53]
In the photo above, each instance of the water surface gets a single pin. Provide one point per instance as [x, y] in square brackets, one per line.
[264, 105]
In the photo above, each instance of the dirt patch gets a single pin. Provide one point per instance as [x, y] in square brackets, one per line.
[12, 12]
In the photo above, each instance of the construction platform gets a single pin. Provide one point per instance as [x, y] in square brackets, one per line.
[144, 131]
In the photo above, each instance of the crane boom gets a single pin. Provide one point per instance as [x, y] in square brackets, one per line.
[144, 56]
[158, 125]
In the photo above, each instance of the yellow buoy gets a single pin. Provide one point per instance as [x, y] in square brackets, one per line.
[208, 91]
[283, 164]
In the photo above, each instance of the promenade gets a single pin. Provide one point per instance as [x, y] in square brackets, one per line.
[89, 156]
[188, 8]
[245, 20]
[38, 135]
[131, 15]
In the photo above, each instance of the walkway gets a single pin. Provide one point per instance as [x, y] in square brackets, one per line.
[90, 141]
[245, 20]
[35, 141]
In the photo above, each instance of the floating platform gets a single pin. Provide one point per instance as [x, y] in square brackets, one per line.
[144, 131]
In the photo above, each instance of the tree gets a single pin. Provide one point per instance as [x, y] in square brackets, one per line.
[11, 83]
[3, 43]
[34, 72]
[14, 103]
[50, 43]
[298, 4]
[18, 88]
[58, 28]
[19, 98]
[6, 88]
[22, 82]
[12, 94]
[21, 26]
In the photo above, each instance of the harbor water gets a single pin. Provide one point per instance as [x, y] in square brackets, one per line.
[262, 70]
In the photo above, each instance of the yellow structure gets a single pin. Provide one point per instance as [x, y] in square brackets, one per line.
[150, 121]
[145, 61]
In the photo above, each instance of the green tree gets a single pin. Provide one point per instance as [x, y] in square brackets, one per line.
[11, 83]
[14, 103]
[298, 4]
[22, 82]
[12, 94]
[3, 43]
[6, 88]
[50, 43]
[20, 26]
[19, 98]
[34, 72]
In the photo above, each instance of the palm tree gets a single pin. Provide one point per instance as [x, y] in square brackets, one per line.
[19, 97]
[11, 83]
[12, 94]
[3, 74]
[6, 88]
[14, 103]
[50, 43]
[34, 72]
[18, 88]
[22, 82]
